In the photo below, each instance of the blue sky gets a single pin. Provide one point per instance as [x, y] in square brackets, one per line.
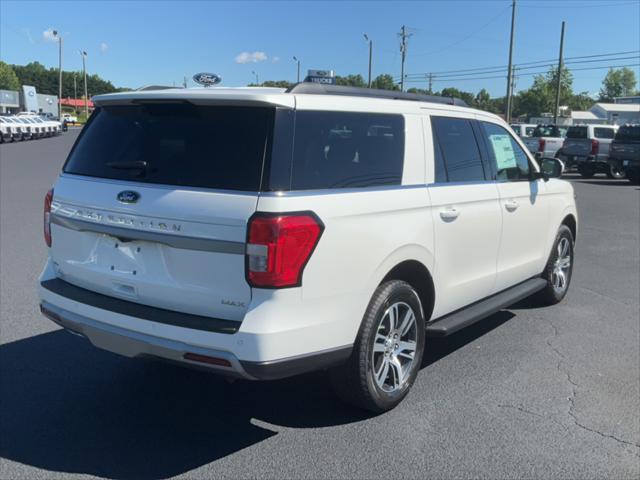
[138, 43]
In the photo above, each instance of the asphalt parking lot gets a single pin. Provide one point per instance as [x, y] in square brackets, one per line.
[528, 393]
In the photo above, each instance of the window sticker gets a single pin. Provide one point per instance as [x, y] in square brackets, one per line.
[503, 150]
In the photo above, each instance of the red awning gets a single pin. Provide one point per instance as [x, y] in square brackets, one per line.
[75, 103]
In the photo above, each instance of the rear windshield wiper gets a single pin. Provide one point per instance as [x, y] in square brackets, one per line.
[135, 165]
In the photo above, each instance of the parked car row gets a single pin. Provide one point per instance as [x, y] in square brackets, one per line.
[27, 126]
[587, 149]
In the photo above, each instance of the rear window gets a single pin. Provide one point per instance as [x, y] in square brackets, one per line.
[577, 132]
[346, 150]
[548, 131]
[600, 132]
[221, 147]
[629, 133]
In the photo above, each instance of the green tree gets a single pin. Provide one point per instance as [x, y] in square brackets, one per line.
[483, 101]
[617, 83]
[8, 78]
[46, 81]
[351, 81]
[541, 97]
[273, 83]
[468, 97]
[384, 82]
[581, 101]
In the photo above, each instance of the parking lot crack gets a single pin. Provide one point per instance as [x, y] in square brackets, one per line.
[572, 397]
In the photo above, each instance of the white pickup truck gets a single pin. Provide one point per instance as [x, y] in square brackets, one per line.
[545, 141]
[67, 117]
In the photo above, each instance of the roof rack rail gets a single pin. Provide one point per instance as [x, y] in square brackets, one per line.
[324, 89]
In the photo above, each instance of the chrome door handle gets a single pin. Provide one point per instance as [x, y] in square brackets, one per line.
[511, 205]
[450, 213]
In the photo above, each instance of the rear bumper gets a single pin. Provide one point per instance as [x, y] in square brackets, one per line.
[134, 344]
[134, 330]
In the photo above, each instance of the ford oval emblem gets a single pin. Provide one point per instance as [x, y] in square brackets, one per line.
[128, 196]
[207, 79]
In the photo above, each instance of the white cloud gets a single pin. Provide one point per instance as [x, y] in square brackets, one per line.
[104, 47]
[49, 36]
[251, 57]
[275, 59]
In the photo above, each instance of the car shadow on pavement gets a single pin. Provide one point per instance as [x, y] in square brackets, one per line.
[66, 406]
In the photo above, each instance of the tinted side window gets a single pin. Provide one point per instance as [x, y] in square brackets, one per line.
[510, 160]
[440, 169]
[347, 150]
[603, 132]
[459, 149]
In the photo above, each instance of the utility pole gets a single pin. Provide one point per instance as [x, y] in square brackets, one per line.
[513, 89]
[370, 58]
[257, 81]
[86, 99]
[184, 82]
[403, 51]
[59, 37]
[75, 91]
[430, 83]
[295, 59]
[510, 71]
[559, 80]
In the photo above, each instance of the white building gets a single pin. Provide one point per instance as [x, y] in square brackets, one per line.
[617, 113]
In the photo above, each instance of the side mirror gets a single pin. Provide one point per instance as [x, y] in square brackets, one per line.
[551, 168]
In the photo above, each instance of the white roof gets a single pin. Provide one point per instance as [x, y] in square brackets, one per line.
[619, 107]
[582, 115]
[280, 97]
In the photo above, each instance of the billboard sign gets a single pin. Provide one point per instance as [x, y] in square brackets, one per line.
[328, 77]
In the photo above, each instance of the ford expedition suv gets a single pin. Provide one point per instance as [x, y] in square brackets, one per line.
[263, 233]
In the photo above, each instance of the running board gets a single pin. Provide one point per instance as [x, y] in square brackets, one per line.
[477, 311]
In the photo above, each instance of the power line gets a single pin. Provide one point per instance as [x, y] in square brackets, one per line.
[528, 74]
[493, 19]
[520, 64]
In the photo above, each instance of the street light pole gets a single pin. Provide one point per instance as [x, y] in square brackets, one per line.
[257, 80]
[295, 59]
[84, 70]
[57, 35]
[370, 58]
[75, 91]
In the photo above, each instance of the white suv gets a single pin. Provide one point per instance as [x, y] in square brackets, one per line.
[263, 233]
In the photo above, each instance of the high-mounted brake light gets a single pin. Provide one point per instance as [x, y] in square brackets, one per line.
[595, 146]
[541, 144]
[48, 198]
[278, 248]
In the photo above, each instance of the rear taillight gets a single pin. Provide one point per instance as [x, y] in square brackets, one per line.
[47, 217]
[595, 146]
[541, 144]
[278, 248]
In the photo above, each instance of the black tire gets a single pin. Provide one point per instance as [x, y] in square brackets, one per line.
[354, 381]
[551, 295]
[615, 172]
[586, 171]
[634, 177]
